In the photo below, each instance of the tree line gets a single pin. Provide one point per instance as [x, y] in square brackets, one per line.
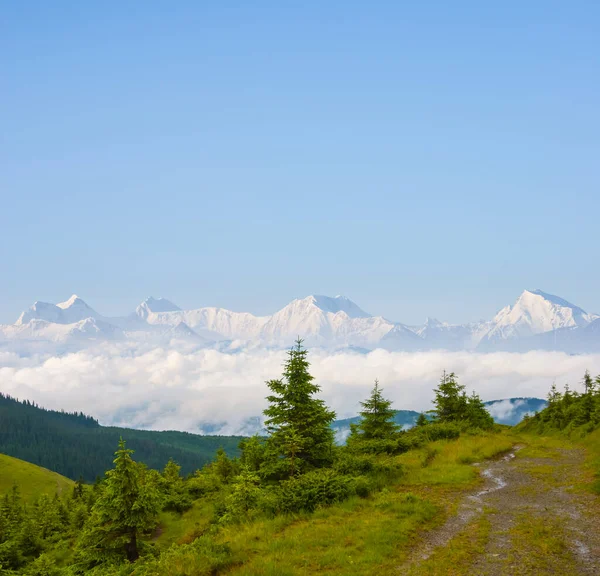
[75, 445]
[570, 409]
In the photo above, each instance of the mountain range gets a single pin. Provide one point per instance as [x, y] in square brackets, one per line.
[537, 320]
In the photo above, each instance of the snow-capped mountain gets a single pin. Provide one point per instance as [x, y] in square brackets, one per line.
[68, 312]
[536, 320]
[154, 305]
[535, 312]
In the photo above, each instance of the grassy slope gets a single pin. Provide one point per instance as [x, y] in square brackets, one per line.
[359, 536]
[31, 479]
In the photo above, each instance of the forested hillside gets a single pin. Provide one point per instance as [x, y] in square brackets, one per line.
[76, 445]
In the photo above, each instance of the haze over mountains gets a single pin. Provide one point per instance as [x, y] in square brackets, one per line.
[536, 320]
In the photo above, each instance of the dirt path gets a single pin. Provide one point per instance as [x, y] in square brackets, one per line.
[537, 520]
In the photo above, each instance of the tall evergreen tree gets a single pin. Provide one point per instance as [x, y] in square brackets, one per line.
[127, 507]
[297, 422]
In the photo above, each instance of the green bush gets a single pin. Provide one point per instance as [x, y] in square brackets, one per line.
[200, 558]
[202, 483]
[313, 489]
[351, 464]
[362, 487]
[435, 431]
[393, 445]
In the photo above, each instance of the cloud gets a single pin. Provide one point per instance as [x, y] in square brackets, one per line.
[186, 389]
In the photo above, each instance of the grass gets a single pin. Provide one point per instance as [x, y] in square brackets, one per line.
[31, 479]
[377, 534]
[539, 546]
[183, 528]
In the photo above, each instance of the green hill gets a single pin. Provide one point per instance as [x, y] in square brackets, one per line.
[31, 479]
[76, 445]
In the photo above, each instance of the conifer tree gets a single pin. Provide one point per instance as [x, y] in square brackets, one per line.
[294, 411]
[477, 414]
[421, 420]
[127, 507]
[450, 399]
[587, 405]
[377, 417]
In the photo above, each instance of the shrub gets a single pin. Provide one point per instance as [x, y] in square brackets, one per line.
[362, 487]
[243, 497]
[432, 432]
[395, 445]
[200, 558]
[351, 464]
[313, 489]
[203, 482]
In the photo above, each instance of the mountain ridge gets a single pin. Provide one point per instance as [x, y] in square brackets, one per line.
[536, 320]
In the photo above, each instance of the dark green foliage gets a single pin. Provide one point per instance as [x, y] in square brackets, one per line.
[347, 462]
[453, 405]
[176, 494]
[377, 417]
[313, 489]
[376, 433]
[422, 420]
[569, 409]
[421, 435]
[253, 452]
[298, 423]
[243, 497]
[126, 508]
[75, 445]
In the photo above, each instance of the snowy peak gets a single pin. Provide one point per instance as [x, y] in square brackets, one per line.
[73, 301]
[155, 305]
[335, 305]
[535, 312]
[68, 312]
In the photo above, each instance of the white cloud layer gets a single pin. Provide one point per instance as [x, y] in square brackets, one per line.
[167, 388]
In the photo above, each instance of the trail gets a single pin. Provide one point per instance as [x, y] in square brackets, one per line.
[538, 522]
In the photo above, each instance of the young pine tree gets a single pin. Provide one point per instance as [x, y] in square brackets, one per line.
[421, 420]
[127, 507]
[294, 412]
[587, 402]
[477, 413]
[450, 399]
[377, 417]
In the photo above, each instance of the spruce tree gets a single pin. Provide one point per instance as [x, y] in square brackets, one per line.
[421, 420]
[477, 413]
[295, 413]
[377, 417]
[126, 508]
[450, 399]
[587, 404]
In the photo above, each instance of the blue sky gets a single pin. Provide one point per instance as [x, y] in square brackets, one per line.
[429, 158]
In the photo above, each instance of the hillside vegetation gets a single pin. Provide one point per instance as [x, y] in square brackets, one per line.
[31, 480]
[75, 445]
[139, 521]
[422, 501]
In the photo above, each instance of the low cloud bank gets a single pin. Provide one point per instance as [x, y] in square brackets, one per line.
[207, 389]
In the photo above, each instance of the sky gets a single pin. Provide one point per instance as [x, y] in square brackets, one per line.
[423, 159]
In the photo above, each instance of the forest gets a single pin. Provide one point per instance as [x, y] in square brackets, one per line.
[76, 445]
[140, 521]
